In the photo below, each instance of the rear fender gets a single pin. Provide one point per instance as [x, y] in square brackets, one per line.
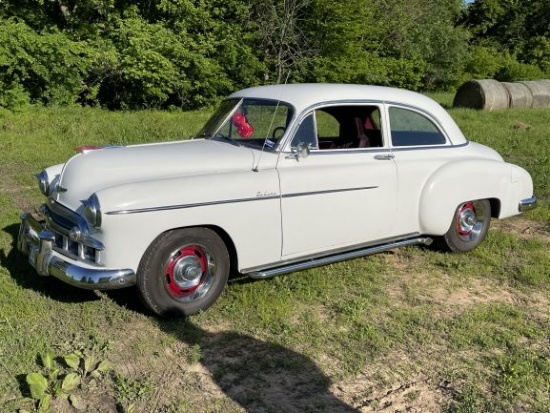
[461, 181]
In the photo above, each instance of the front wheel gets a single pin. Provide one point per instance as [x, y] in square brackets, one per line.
[183, 272]
[469, 227]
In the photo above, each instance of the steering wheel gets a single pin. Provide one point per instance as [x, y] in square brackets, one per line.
[278, 132]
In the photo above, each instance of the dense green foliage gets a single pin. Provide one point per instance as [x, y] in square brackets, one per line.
[188, 53]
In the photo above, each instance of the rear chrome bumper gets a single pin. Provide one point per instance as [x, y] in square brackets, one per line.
[37, 242]
[527, 204]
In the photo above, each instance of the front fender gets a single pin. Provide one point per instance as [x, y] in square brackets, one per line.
[467, 180]
[244, 204]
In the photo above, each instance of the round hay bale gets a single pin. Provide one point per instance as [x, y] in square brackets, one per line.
[540, 90]
[519, 95]
[485, 94]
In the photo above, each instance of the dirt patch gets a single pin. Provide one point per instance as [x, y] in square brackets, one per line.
[443, 291]
[523, 227]
[417, 395]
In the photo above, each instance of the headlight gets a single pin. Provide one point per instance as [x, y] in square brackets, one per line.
[43, 182]
[92, 211]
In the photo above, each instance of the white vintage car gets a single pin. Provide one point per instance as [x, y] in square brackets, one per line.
[281, 178]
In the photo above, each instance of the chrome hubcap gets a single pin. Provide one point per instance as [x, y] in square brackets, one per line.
[189, 273]
[469, 221]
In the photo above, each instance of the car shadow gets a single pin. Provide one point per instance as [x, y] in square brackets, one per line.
[258, 375]
[26, 277]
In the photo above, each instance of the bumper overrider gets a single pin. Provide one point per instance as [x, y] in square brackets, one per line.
[527, 204]
[38, 242]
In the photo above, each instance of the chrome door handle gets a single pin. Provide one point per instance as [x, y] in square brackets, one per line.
[387, 157]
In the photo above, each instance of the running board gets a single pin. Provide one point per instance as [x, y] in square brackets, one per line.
[317, 262]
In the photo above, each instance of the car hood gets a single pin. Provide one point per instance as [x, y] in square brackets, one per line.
[94, 170]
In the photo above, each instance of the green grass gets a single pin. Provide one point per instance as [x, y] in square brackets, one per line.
[413, 327]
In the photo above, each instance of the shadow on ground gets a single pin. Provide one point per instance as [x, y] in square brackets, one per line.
[260, 376]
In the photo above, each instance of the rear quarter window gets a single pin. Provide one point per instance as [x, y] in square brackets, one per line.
[410, 128]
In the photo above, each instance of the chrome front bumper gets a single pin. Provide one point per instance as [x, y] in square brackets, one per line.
[527, 204]
[37, 242]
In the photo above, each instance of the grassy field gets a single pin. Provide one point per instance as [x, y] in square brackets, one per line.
[409, 330]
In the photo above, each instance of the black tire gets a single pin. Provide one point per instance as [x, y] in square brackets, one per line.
[183, 272]
[469, 227]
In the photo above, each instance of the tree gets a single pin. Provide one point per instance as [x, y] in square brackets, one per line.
[284, 44]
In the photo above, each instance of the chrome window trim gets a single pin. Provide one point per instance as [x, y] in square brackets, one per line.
[334, 151]
[287, 145]
[432, 119]
[279, 102]
[428, 147]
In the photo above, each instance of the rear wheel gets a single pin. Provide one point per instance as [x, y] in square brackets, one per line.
[183, 272]
[469, 227]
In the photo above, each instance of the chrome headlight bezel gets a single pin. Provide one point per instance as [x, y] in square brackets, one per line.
[92, 211]
[43, 182]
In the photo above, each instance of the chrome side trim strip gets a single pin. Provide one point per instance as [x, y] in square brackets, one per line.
[186, 206]
[332, 257]
[330, 191]
[527, 204]
[234, 201]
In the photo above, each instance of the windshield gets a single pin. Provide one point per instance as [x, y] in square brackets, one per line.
[252, 122]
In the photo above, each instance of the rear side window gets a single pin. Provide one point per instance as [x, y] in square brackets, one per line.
[409, 128]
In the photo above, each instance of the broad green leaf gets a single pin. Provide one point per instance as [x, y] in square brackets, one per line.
[71, 382]
[45, 403]
[77, 402]
[89, 363]
[47, 360]
[73, 361]
[62, 394]
[37, 385]
[104, 366]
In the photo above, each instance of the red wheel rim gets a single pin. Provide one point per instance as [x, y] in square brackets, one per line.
[187, 271]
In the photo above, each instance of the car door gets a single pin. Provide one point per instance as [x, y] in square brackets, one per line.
[420, 147]
[344, 193]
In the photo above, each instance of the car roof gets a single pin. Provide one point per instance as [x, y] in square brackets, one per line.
[304, 95]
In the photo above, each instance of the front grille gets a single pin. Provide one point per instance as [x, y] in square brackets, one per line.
[61, 227]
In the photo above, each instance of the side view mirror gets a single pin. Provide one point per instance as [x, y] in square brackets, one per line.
[302, 150]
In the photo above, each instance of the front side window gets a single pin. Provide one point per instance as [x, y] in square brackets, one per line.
[341, 127]
[254, 122]
[409, 128]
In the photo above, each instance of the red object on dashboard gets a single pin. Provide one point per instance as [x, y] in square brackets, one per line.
[244, 128]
